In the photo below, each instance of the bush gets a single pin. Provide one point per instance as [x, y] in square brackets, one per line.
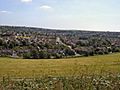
[35, 54]
[69, 52]
[27, 55]
[44, 55]
[116, 49]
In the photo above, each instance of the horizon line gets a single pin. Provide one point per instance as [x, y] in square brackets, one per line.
[62, 29]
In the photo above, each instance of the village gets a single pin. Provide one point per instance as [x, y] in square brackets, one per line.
[39, 43]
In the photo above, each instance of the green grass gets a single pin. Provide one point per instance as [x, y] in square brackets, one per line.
[60, 67]
[83, 73]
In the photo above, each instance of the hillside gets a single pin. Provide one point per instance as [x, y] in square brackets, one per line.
[40, 43]
[98, 65]
[85, 73]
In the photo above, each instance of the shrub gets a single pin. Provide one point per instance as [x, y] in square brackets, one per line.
[27, 55]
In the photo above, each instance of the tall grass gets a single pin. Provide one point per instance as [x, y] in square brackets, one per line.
[86, 73]
[82, 82]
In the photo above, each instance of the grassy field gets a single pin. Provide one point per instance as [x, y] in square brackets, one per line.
[60, 67]
[83, 73]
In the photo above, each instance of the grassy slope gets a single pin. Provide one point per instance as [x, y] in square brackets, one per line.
[60, 67]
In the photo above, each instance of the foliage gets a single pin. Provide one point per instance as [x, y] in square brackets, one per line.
[38, 43]
[82, 82]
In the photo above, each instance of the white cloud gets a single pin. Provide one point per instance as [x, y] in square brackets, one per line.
[26, 1]
[5, 12]
[46, 8]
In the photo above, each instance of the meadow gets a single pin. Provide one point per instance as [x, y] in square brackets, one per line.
[80, 73]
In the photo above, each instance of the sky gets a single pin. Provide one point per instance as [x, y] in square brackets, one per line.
[95, 15]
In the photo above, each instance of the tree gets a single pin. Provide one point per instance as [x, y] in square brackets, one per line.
[1, 42]
[115, 49]
[69, 52]
[35, 54]
[44, 55]
[27, 55]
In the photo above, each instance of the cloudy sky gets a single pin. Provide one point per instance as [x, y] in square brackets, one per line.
[64, 14]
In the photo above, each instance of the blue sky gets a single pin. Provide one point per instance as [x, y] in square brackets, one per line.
[64, 14]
